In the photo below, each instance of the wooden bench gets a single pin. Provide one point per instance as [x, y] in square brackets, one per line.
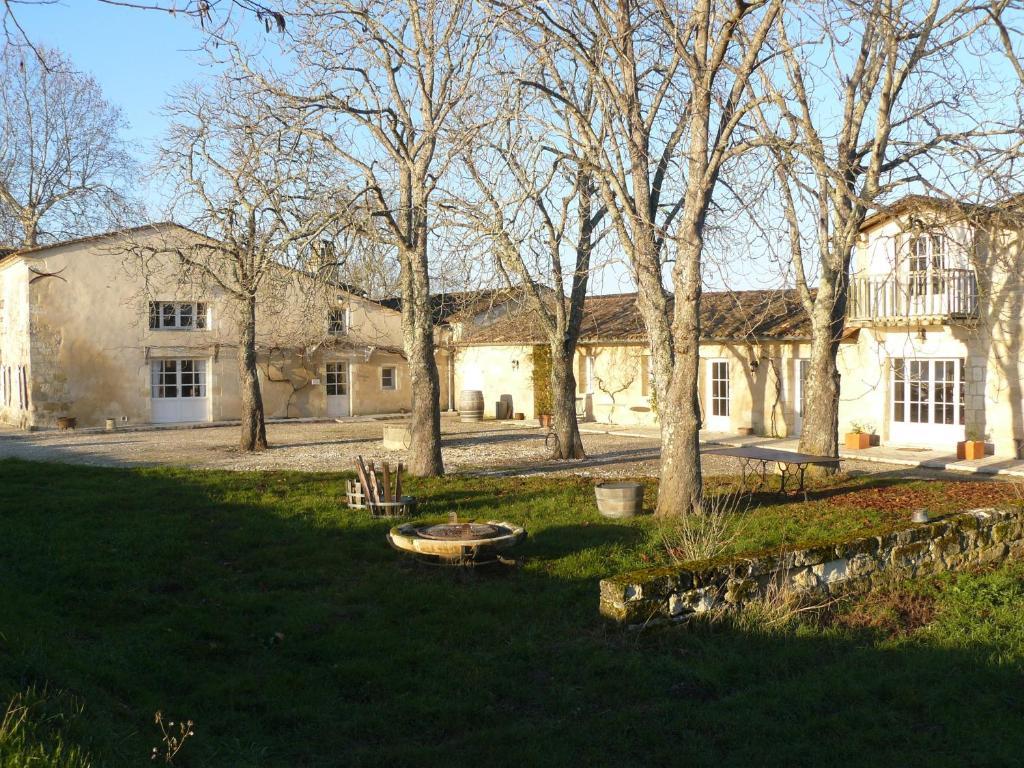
[790, 464]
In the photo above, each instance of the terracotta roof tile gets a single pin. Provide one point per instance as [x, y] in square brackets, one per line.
[731, 315]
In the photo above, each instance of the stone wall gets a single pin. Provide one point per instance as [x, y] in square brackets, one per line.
[677, 592]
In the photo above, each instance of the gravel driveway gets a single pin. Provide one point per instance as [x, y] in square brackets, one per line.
[498, 447]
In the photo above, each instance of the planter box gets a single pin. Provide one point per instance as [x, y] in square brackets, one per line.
[857, 441]
[970, 450]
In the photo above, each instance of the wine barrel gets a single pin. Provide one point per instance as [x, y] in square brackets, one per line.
[618, 500]
[471, 405]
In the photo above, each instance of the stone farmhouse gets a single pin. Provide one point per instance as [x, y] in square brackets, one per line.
[931, 352]
[84, 333]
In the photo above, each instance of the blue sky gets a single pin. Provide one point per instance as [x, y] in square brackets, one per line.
[137, 57]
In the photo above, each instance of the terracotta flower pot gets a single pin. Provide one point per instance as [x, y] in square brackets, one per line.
[857, 441]
[546, 420]
[970, 450]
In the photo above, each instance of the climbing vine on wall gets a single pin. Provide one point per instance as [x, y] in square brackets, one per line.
[543, 401]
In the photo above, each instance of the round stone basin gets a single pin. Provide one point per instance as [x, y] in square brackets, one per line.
[457, 542]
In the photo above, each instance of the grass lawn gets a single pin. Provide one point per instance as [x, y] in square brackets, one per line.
[284, 626]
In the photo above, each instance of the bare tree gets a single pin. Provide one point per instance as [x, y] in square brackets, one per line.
[64, 165]
[891, 68]
[387, 80]
[539, 210]
[212, 15]
[244, 180]
[671, 80]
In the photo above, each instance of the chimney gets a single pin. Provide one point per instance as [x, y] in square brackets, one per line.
[324, 261]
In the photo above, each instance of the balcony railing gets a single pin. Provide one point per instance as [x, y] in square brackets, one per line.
[938, 295]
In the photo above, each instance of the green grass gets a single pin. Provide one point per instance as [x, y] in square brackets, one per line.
[292, 635]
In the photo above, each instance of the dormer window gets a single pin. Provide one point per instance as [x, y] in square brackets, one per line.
[337, 322]
[179, 315]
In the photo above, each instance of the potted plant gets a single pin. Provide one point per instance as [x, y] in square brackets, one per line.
[973, 448]
[859, 436]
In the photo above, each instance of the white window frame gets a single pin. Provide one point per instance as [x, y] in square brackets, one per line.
[927, 262]
[162, 379]
[588, 375]
[23, 397]
[919, 376]
[345, 318]
[168, 315]
[721, 405]
[803, 370]
[336, 379]
[394, 378]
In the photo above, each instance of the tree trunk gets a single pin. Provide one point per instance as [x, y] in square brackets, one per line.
[254, 427]
[819, 433]
[418, 332]
[680, 488]
[563, 396]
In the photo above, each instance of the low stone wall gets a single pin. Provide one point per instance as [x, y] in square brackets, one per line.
[676, 592]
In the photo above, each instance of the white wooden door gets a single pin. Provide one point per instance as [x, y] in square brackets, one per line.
[338, 389]
[800, 370]
[717, 410]
[927, 402]
[179, 391]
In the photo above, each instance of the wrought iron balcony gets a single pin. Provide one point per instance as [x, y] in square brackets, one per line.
[938, 296]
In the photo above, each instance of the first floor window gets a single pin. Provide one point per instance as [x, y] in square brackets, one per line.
[5, 384]
[337, 322]
[177, 315]
[336, 379]
[927, 262]
[179, 378]
[720, 388]
[388, 378]
[928, 391]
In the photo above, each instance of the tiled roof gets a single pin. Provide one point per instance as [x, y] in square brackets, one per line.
[453, 304]
[1011, 207]
[725, 315]
[33, 250]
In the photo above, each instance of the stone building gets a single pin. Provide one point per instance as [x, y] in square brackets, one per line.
[751, 344]
[931, 353]
[84, 332]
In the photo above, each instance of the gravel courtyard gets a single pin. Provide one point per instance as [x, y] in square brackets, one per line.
[499, 447]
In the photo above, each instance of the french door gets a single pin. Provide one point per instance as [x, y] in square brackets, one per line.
[178, 389]
[927, 402]
[801, 369]
[719, 393]
[337, 384]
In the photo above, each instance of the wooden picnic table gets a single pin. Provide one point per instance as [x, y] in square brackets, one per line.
[789, 463]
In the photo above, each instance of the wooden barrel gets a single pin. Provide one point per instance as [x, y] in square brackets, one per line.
[471, 405]
[617, 500]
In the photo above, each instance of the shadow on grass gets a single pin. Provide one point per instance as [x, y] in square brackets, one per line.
[292, 635]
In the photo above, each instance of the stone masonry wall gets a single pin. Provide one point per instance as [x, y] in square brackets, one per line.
[676, 592]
